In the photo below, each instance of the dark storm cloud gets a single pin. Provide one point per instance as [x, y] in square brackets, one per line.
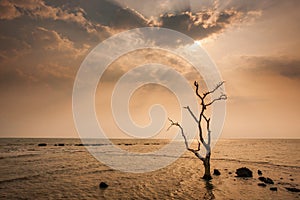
[104, 18]
[102, 15]
[155, 8]
[38, 9]
[105, 13]
[127, 19]
[80, 21]
[281, 65]
[51, 37]
[90, 21]
[198, 25]
[197, 18]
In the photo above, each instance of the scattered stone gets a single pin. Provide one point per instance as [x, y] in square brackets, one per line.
[243, 172]
[42, 144]
[259, 172]
[229, 172]
[292, 189]
[266, 180]
[262, 184]
[103, 185]
[153, 143]
[281, 178]
[217, 172]
[292, 179]
[273, 188]
[94, 145]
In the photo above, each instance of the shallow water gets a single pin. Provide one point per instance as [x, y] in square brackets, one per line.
[71, 172]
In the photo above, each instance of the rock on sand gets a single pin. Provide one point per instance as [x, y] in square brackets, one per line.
[243, 172]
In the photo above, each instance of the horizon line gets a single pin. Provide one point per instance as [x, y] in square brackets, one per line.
[227, 138]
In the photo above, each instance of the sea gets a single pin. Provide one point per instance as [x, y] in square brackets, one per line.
[68, 169]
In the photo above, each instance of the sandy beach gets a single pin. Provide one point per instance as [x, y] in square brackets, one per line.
[29, 171]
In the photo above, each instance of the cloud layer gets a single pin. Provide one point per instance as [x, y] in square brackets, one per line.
[43, 43]
[279, 65]
[40, 37]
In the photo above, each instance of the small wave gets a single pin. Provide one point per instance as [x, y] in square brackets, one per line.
[18, 156]
[100, 171]
[18, 179]
[257, 162]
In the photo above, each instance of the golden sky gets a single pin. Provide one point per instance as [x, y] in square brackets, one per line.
[255, 45]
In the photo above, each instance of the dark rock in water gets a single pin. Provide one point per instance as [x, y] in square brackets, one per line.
[61, 144]
[266, 180]
[262, 179]
[259, 172]
[243, 172]
[42, 144]
[103, 185]
[292, 189]
[262, 184]
[273, 188]
[94, 145]
[217, 172]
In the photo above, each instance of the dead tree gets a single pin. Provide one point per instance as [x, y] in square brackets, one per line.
[202, 117]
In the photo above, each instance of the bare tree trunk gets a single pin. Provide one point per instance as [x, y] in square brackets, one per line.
[201, 141]
[206, 164]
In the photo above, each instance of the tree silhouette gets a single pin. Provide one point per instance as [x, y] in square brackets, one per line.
[202, 117]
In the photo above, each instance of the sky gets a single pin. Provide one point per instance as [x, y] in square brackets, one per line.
[255, 45]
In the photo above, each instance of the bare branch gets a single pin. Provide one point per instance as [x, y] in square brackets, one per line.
[172, 124]
[199, 156]
[185, 139]
[199, 144]
[206, 144]
[197, 89]
[212, 91]
[182, 132]
[208, 130]
[221, 97]
[190, 111]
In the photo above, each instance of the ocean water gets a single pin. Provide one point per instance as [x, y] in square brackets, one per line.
[29, 171]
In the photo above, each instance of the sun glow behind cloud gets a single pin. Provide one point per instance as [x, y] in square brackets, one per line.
[254, 44]
[198, 42]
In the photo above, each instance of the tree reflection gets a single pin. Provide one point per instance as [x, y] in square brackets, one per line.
[209, 191]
